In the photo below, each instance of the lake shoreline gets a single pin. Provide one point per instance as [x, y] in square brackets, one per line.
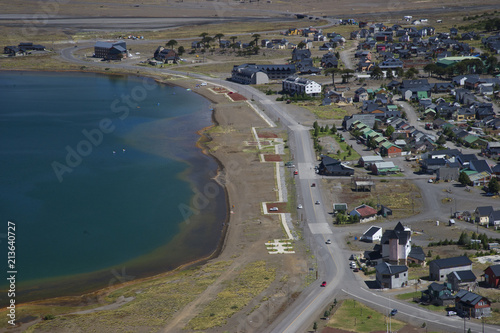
[204, 149]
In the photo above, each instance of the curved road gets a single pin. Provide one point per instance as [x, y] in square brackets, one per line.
[332, 259]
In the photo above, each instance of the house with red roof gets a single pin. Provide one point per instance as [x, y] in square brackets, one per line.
[365, 213]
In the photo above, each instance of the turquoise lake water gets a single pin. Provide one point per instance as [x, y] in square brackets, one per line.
[99, 173]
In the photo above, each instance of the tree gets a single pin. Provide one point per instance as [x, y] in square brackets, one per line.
[372, 144]
[181, 50]
[332, 71]
[333, 130]
[315, 125]
[411, 73]
[441, 140]
[493, 186]
[315, 326]
[377, 73]
[347, 74]
[171, 43]
[206, 41]
[233, 44]
[301, 45]
[218, 37]
[256, 38]
[464, 179]
[203, 35]
[389, 130]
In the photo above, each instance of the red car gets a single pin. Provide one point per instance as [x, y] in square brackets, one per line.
[323, 284]
[295, 172]
[313, 185]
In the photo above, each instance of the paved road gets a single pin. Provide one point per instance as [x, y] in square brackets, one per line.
[331, 259]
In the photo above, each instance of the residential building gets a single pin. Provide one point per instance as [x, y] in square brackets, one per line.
[240, 73]
[391, 276]
[384, 168]
[332, 167]
[374, 233]
[295, 85]
[390, 149]
[469, 304]
[110, 50]
[396, 244]
[167, 56]
[439, 294]
[440, 268]
[367, 161]
[462, 280]
[482, 214]
[416, 256]
[492, 276]
[365, 213]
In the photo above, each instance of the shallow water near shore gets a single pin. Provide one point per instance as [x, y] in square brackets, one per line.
[103, 180]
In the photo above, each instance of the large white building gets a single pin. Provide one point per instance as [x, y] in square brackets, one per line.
[295, 85]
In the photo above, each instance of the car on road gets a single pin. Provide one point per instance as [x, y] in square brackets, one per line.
[313, 185]
[323, 284]
[352, 257]
[317, 202]
[273, 209]
[393, 312]
[451, 313]
[328, 241]
[299, 206]
[295, 172]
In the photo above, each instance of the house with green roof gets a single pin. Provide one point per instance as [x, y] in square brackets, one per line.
[470, 139]
[390, 149]
[449, 61]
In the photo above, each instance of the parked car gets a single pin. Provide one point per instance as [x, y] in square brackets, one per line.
[352, 264]
[352, 257]
[295, 172]
[393, 312]
[323, 284]
[299, 206]
[451, 313]
[355, 270]
[317, 202]
[273, 209]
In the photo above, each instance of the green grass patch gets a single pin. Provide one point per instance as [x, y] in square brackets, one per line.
[409, 295]
[434, 307]
[357, 317]
[326, 111]
[251, 281]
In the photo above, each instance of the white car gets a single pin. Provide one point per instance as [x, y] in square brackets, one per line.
[273, 209]
[430, 181]
[317, 203]
[299, 206]
[451, 313]
[328, 241]
[352, 264]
